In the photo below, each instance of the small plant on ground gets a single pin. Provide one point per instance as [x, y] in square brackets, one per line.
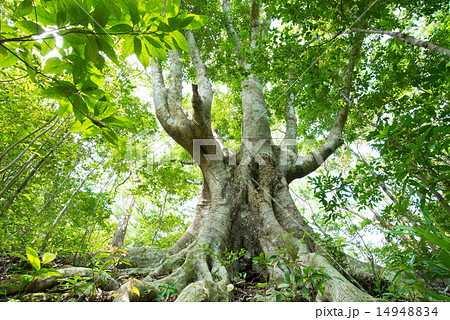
[27, 276]
[168, 290]
[301, 282]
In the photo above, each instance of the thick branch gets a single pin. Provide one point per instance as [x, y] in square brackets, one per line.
[255, 24]
[407, 39]
[168, 109]
[202, 93]
[291, 119]
[176, 82]
[230, 28]
[312, 161]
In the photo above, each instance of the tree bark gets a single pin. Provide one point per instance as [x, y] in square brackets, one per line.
[121, 230]
[406, 38]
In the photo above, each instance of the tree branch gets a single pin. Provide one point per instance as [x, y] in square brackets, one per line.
[407, 39]
[168, 108]
[202, 94]
[230, 28]
[291, 119]
[309, 163]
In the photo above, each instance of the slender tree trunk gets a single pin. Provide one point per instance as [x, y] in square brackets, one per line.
[161, 218]
[7, 167]
[89, 226]
[24, 138]
[121, 230]
[64, 210]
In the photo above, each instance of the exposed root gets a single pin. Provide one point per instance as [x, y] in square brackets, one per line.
[197, 277]
[337, 289]
[106, 283]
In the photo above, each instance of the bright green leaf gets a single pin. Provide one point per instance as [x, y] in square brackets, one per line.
[172, 8]
[33, 258]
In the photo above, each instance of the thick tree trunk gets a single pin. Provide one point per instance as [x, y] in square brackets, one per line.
[241, 207]
[245, 201]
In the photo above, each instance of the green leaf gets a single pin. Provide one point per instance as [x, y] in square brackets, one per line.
[134, 11]
[21, 256]
[108, 48]
[91, 49]
[230, 287]
[74, 39]
[61, 15]
[91, 131]
[159, 53]
[120, 28]
[144, 57]
[47, 46]
[53, 66]
[30, 27]
[261, 285]
[287, 275]
[155, 7]
[444, 257]
[33, 258]
[79, 70]
[48, 257]
[172, 8]
[8, 61]
[76, 127]
[80, 105]
[137, 45]
[179, 38]
[100, 16]
[128, 45]
[181, 21]
[104, 109]
[114, 8]
[65, 108]
[24, 8]
[197, 22]
[110, 136]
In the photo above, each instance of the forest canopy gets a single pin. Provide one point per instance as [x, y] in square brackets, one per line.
[254, 150]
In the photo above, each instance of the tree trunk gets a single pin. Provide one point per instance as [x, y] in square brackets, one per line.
[121, 230]
[245, 202]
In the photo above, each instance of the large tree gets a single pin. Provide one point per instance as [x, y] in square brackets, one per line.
[306, 69]
[245, 202]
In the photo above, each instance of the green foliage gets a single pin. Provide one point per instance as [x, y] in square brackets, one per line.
[301, 282]
[167, 290]
[26, 276]
[76, 286]
[108, 261]
[85, 37]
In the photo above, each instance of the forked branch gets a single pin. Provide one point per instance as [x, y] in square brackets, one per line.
[202, 94]
[168, 104]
